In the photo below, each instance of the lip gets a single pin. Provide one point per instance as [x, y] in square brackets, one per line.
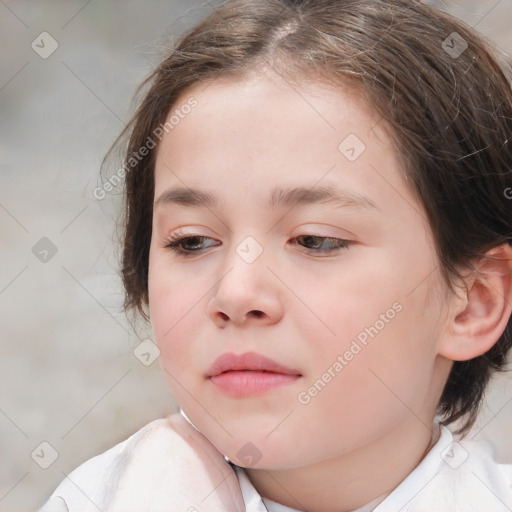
[248, 361]
[249, 374]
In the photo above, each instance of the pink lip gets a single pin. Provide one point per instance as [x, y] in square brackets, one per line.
[248, 374]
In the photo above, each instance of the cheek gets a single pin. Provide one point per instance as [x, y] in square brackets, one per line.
[172, 307]
[385, 337]
[379, 386]
[351, 307]
[174, 319]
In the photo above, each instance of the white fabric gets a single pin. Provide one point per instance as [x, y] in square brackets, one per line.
[455, 476]
[167, 465]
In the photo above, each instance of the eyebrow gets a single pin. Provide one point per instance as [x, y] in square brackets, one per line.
[279, 197]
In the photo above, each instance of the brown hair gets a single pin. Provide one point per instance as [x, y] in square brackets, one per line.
[448, 106]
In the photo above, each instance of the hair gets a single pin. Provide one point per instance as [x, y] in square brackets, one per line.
[449, 115]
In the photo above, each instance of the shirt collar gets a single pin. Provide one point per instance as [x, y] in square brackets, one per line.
[401, 495]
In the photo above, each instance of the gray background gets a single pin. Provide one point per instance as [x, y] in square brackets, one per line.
[69, 374]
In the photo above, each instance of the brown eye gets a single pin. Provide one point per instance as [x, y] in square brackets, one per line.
[322, 244]
[186, 245]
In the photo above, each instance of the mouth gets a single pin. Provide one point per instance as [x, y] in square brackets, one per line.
[249, 374]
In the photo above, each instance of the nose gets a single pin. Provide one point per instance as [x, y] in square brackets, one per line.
[247, 294]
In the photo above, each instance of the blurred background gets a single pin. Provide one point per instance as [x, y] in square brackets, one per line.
[74, 379]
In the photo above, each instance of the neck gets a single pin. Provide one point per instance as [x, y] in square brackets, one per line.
[350, 481]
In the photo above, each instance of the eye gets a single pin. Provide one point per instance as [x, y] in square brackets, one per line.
[189, 245]
[185, 245]
[322, 244]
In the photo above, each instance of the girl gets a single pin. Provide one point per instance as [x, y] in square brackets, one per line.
[318, 226]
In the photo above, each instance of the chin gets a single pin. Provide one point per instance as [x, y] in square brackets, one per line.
[259, 453]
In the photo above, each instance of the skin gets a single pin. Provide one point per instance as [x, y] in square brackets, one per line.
[299, 307]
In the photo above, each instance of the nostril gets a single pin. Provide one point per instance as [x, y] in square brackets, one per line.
[257, 313]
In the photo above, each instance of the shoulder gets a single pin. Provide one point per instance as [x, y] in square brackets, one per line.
[457, 475]
[477, 481]
[80, 487]
[469, 467]
[166, 463]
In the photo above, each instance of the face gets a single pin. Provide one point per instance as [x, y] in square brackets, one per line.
[341, 290]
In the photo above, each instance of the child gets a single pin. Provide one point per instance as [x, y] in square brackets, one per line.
[318, 226]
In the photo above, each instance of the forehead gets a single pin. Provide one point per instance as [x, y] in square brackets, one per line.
[253, 134]
[259, 106]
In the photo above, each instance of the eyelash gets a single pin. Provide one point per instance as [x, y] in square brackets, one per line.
[174, 243]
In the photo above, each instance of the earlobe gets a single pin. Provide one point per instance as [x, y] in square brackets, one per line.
[480, 315]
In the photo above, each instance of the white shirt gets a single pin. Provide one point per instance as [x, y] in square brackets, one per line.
[454, 476]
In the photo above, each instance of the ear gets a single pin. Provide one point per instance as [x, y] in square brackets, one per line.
[479, 315]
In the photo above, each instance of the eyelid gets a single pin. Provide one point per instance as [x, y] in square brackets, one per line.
[174, 244]
[326, 231]
[303, 230]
